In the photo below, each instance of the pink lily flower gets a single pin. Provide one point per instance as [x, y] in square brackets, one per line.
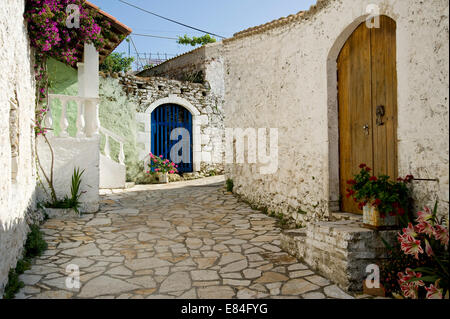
[410, 246]
[433, 292]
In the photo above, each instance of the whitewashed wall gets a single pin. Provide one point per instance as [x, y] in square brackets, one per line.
[286, 78]
[16, 75]
[71, 153]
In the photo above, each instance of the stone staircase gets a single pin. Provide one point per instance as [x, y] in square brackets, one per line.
[339, 249]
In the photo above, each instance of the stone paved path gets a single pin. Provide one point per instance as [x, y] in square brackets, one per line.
[182, 240]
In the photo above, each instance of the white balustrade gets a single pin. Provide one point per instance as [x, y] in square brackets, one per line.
[63, 122]
[83, 120]
[107, 150]
[81, 123]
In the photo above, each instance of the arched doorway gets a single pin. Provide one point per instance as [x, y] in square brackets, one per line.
[367, 98]
[164, 120]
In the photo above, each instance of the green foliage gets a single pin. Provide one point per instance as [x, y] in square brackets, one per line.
[196, 40]
[388, 197]
[34, 246]
[13, 286]
[160, 165]
[72, 202]
[230, 185]
[116, 62]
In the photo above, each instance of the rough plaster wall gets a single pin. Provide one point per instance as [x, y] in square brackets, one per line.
[281, 79]
[207, 59]
[72, 153]
[63, 79]
[16, 198]
[149, 90]
[117, 114]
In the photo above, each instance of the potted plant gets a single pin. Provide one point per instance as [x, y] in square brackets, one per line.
[384, 202]
[163, 167]
[68, 206]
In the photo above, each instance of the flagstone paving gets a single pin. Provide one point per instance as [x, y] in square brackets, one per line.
[181, 240]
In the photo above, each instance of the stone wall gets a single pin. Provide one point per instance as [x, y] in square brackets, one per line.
[283, 76]
[148, 92]
[202, 65]
[339, 250]
[17, 174]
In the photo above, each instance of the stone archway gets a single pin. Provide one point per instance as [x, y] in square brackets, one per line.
[145, 137]
[333, 109]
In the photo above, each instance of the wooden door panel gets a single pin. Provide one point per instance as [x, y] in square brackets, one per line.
[384, 94]
[355, 104]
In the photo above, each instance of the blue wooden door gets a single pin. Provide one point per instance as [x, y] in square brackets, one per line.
[165, 119]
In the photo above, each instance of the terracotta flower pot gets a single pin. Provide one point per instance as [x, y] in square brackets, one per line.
[373, 220]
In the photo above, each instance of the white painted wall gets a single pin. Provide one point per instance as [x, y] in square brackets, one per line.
[16, 75]
[112, 174]
[286, 78]
[72, 153]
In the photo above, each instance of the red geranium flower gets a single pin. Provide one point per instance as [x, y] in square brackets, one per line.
[376, 202]
[373, 178]
[351, 182]
[362, 165]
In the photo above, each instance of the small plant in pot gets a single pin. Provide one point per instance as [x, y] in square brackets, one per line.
[68, 205]
[163, 167]
[385, 203]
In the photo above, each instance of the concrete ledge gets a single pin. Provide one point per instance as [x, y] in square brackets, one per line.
[338, 250]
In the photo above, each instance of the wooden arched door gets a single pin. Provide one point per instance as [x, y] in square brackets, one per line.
[367, 94]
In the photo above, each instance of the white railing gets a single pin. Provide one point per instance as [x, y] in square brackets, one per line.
[107, 150]
[87, 122]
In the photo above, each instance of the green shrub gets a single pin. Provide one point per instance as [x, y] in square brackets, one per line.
[230, 185]
[13, 286]
[35, 244]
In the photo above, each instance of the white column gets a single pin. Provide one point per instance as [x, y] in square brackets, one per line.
[90, 89]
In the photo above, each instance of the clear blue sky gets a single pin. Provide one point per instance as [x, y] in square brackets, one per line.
[224, 17]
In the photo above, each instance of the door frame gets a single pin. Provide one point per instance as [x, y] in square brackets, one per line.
[196, 138]
[165, 110]
[333, 110]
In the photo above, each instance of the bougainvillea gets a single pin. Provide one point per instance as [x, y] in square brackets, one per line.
[50, 35]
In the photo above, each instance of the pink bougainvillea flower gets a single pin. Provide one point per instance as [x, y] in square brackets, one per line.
[441, 234]
[425, 227]
[161, 156]
[410, 246]
[433, 292]
[157, 169]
